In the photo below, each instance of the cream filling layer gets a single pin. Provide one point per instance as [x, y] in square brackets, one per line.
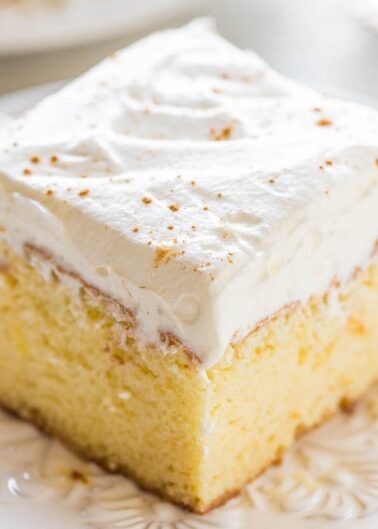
[324, 242]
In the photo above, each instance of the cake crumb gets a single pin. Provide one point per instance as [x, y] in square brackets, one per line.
[35, 159]
[83, 193]
[76, 475]
[329, 162]
[220, 195]
[54, 159]
[135, 229]
[272, 181]
[170, 227]
[173, 207]
[27, 172]
[356, 326]
[347, 406]
[49, 192]
[146, 200]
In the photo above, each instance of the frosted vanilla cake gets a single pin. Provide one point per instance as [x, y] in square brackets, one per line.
[188, 272]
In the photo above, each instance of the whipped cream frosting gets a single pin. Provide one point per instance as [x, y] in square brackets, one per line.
[195, 185]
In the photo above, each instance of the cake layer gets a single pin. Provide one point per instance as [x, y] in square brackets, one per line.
[193, 435]
[190, 182]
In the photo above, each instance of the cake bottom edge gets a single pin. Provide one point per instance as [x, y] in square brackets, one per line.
[344, 406]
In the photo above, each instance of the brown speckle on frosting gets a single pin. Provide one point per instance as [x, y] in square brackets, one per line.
[135, 229]
[174, 207]
[35, 159]
[54, 159]
[221, 135]
[27, 172]
[147, 200]
[83, 193]
[324, 122]
[163, 255]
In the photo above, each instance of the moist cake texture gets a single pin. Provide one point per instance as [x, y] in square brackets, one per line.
[188, 265]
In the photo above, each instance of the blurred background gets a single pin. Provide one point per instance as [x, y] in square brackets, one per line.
[329, 44]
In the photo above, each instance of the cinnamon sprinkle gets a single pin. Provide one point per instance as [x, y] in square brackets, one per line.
[222, 135]
[163, 255]
[324, 122]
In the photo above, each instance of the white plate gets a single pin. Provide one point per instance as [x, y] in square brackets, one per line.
[74, 22]
[328, 480]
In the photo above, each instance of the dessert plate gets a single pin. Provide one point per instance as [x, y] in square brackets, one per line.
[328, 480]
[52, 24]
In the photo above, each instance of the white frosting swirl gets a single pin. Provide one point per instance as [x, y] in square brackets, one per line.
[195, 185]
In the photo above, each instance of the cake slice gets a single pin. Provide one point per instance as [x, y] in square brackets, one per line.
[188, 263]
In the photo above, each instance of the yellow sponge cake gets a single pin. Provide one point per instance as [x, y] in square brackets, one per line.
[188, 263]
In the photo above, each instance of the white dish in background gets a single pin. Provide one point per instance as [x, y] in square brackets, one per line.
[328, 480]
[364, 10]
[26, 29]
